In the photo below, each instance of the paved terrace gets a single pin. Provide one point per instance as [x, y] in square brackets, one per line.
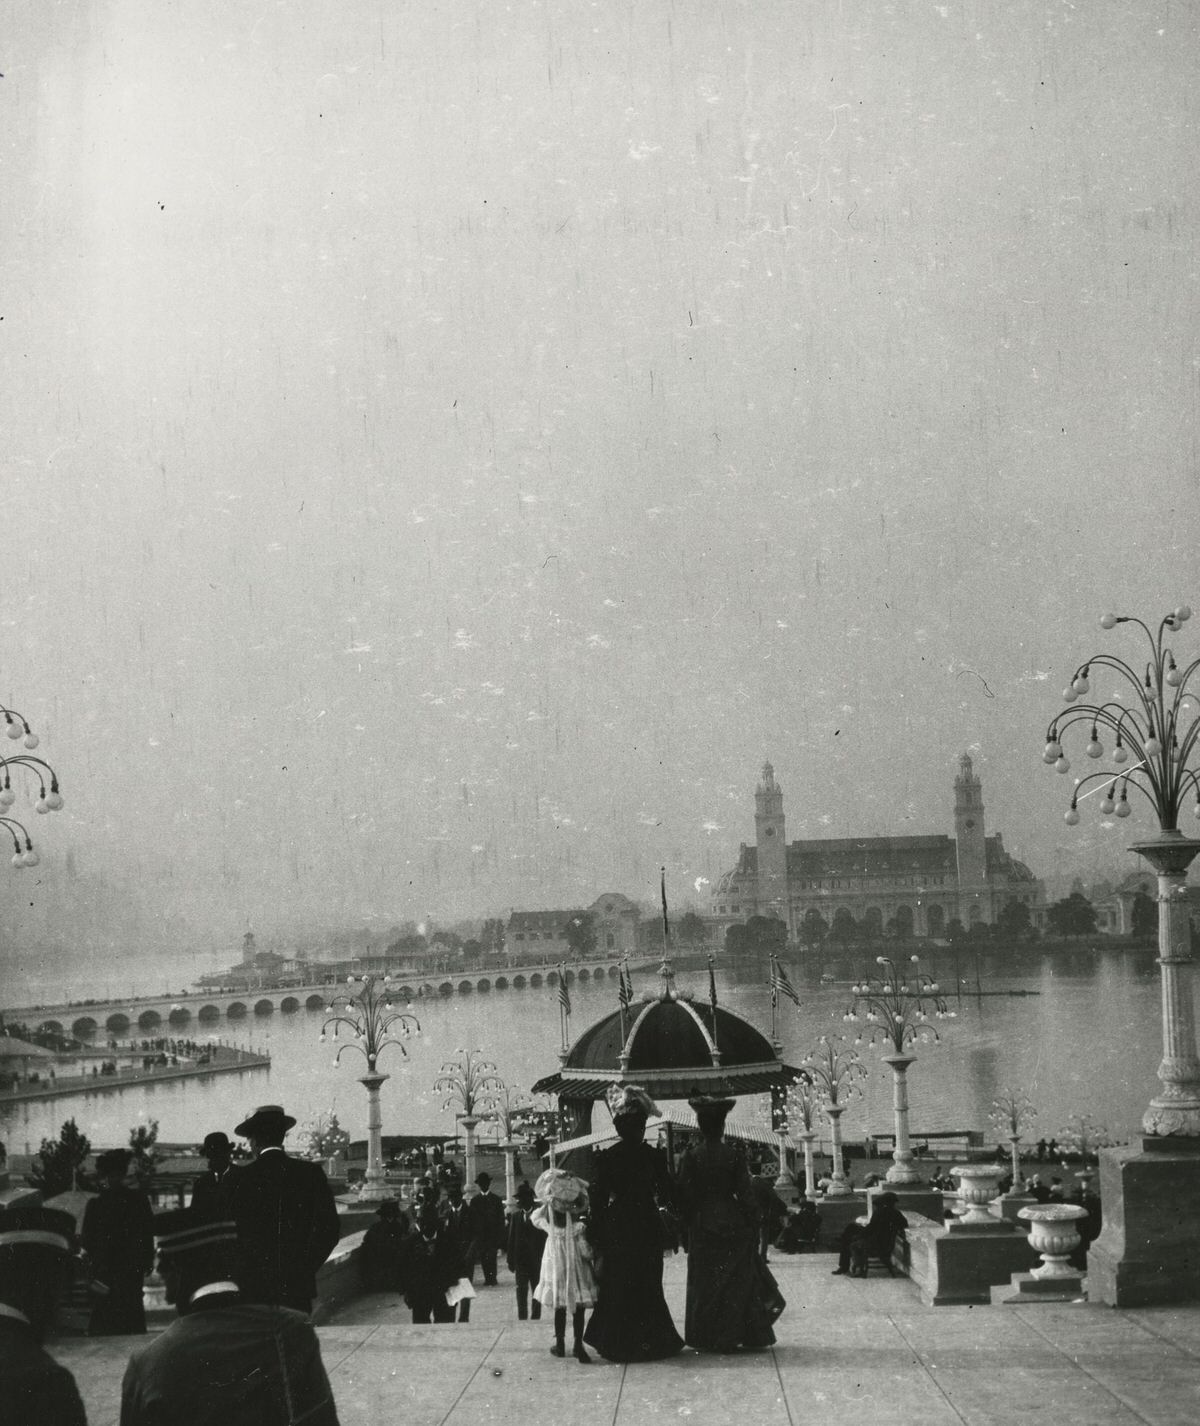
[864, 1353]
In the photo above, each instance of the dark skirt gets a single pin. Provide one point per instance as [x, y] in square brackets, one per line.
[726, 1293]
[631, 1322]
[120, 1311]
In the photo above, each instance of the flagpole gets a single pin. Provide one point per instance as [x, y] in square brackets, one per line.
[666, 923]
[774, 1004]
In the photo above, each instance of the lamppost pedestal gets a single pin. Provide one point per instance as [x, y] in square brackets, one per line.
[375, 1187]
[838, 1187]
[902, 1173]
[469, 1122]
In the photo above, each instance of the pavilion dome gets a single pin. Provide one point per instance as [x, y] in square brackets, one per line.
[667, 1044]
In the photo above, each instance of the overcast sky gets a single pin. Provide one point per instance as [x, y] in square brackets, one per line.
[450, 446]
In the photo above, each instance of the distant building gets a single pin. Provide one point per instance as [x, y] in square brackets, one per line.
[617, 919]
[542, 932]
[905, 885]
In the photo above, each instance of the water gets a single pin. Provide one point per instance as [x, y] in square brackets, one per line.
[1088, 1043]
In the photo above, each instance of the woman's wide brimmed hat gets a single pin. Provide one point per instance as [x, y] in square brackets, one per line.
[711, 1103]
[266, 1116]
[562, 1190]
[629, 1099]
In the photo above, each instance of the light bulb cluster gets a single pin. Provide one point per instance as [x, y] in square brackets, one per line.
[49, 798]
[897, 1006]
[1156, 728]
[373, 1025]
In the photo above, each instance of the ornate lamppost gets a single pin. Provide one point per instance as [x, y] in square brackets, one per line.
[368, 1015]
[508, 1106]
[897, 1006]
[803, 1099]
[470, 1085]
[1012, 1114]
[49, 798]
[835, 1069]
[1154, 730]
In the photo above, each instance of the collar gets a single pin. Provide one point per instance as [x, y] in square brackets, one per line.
[271, 1149]
[210, 1288]
[6, 1310]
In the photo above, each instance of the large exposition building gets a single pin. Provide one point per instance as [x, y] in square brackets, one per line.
[904, 885]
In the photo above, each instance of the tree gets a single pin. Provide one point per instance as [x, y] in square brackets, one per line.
[955, 930]
[56, 1164]
[814, 928]
[760, 935]
[1074, 916]
[691, 930]
[450, 940]
[325, 1138]
[1013, 921]
[1144, 922]
[410, 945]
[581, 934]
[492, 936]
[844, 928]
[142, 1139]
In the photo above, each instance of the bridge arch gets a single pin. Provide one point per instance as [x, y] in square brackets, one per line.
[501, 982]
[118, 1020]
[289, 1004]
[519, 982]
[85, 1025]
[465, 987]
[315, 1002]
[148, 1019]
[54, 1026]
[236, 1010]
[179, 1015]
[406, 993]
[484, 984]
[446, 988]
[209, 1012]
[584, 973]
[535, 979]
[264, 1006]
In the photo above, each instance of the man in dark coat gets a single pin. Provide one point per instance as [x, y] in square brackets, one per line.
[382, 1246]
[457, 1228]
[526, 1243]
[118, 1238]
[35, 1270]
[287, 1220]
[224, 1359]
[431, 1262]
[207, 1189]
[485, 1230]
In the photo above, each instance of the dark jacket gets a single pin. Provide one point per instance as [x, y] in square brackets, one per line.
[429, 1266]
[526, 1243]
[485, 1222]
[118, 1237]
[208, 1193]
[34, 1389]
[287, 1225]
[229, 1363]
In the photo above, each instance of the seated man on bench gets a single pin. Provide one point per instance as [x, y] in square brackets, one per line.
[876, 1238]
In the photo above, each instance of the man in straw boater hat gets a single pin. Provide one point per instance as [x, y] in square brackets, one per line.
[286, 1216]
[36, 1246]
[224, 1359]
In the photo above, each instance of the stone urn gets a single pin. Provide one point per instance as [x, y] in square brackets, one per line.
[978, 1186]
[1053, 1233]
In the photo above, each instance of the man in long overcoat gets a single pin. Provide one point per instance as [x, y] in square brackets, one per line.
[286, 1216]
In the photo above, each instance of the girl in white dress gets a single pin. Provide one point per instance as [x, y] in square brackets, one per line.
[567, 1282]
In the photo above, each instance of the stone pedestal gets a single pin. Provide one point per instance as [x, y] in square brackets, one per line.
[836, 1214]
[960, 1263]
[911, 1198]
[1010, 1205]
[1025, 1290]
[1149, 1251]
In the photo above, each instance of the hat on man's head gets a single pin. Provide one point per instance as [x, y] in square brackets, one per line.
[562, 1190]
[114, 1161]
[183, 1232]
[629, 1099]
[267, 1116]
[524, 1193]
[484, 1180]
[30, 1226]
[389, 1208]
[216, 1143]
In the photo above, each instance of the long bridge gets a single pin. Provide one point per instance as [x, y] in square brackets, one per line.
[82, 1018]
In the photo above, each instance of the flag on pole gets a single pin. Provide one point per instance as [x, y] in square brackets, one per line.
[564, 995]
[625, 988]
[781, 985]
[666, 923]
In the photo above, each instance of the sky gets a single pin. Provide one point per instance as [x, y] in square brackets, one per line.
[449, 447]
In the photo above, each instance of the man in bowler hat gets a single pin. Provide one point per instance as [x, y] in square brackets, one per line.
[224, 1359]
[485, 1229]
[287, 1220]
[206, 1190]
[35, 1270]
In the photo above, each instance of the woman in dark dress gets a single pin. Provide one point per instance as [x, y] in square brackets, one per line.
[118, 1237]
[630, 1184]
[725, 1282]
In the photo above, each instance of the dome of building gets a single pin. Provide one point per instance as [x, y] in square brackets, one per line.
[667, 1043]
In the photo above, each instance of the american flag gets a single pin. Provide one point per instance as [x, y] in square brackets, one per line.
[564, 995]
[625, 988]
[781, 985]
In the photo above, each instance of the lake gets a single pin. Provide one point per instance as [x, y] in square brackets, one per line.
[1088, 1042]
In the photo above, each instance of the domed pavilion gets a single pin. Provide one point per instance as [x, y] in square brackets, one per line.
[671, 1045]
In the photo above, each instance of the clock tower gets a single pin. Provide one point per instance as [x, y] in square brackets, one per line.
[772, 891]
[973, 900]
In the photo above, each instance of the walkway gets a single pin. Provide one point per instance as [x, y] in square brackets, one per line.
[859, 1353]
